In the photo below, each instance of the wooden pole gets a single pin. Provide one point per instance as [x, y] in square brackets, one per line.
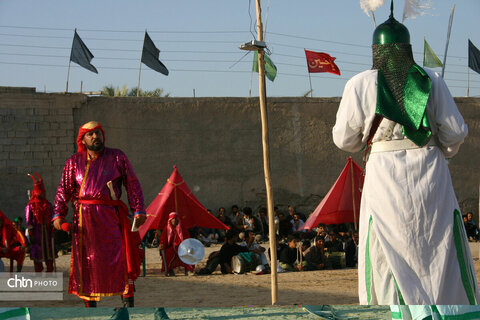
[353, 196]
[266, 158]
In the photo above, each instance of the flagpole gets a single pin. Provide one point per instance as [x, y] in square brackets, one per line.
[353, 196]
[68, 75]
[140, 67]
[250, 90]
[139, 73]
[450, 21]
[468, 82]
[310, 79]
[374, 21]
[266, 158]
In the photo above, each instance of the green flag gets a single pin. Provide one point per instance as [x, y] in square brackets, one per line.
[270, 67]
[430, 59]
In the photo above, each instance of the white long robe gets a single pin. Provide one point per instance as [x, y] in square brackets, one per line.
[441, 312]
[413, 247]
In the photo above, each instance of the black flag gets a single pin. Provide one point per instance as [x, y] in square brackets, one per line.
[150, 56]
[473, 57]
[80, 53]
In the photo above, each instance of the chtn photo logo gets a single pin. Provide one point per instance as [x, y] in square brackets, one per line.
[22, 282]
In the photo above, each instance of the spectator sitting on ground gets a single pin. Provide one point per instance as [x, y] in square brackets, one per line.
[207, 236]
[279, 247]
[258, 249]
[297, 223]
[315, 256]
[263, 219]
[292, 210]
[469, 228]
[351, 251]
[276, 221]
[333, 245]
[321, 231]
[305, 245]
[224, 256]
[285, 226]
[235, 214]
[289, 254]
[474, 232]
[226, 221]
[342, 232]
[249, 222]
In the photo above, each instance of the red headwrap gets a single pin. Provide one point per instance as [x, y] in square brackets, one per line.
[39, 204]
[87, 127]
[178, 228]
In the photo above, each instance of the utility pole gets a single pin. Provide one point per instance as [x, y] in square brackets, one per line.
[266, 158]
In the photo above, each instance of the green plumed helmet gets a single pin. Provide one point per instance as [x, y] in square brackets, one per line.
[391, 31]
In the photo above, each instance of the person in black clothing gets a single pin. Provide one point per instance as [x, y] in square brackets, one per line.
[351, 251]
[279, 247]
[285, 226]
[471, 227]
[288, 255]
[224, 256]
[226, 221]
[315, 256]
[333, 244]
[262, 217]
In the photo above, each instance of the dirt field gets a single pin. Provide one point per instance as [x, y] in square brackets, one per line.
[327, 287]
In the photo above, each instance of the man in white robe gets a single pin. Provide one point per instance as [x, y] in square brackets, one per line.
[413, 247]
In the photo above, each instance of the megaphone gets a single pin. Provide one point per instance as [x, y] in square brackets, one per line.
[191, 251]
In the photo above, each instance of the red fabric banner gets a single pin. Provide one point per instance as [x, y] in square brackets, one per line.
[321, 62]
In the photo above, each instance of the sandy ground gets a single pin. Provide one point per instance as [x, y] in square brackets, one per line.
[242, 292]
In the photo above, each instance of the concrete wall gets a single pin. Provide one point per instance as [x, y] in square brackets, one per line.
[215, 143]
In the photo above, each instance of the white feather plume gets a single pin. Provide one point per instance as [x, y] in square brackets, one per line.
[414, 8]
[371, 5]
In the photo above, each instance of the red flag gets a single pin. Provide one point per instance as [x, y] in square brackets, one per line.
[321, 62]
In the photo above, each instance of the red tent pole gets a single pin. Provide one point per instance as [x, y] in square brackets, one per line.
[353, 195]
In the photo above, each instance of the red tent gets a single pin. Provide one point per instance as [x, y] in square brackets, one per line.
[337, 206]
[176, 196]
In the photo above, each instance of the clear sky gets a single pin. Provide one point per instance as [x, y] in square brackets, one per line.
[199, 39]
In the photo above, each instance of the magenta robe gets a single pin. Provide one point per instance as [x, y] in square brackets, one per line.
[98, 265]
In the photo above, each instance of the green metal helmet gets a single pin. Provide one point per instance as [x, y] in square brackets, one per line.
[391, 31]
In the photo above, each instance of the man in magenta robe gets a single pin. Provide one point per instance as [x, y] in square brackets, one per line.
[105, 254]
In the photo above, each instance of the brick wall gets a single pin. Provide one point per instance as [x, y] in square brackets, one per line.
[36, 135]
[215, 142]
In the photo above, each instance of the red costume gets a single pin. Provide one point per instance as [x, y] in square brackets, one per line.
[171, 238]
[105, 254]
[12, 243]
[38, 214]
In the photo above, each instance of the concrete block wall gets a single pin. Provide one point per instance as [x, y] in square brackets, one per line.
[36, 135]
[215, 142]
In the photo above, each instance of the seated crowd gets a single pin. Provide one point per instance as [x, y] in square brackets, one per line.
[324, 247]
